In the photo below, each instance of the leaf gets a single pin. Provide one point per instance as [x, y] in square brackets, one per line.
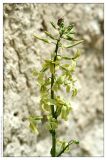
[73, 65]
[76, 55]
[64, 144]
[67, 66]
[70, 46]
[74, 92]
[69, 38]
[42, 39]
[67, 58]
[52, 123]
[61, 145]
[51, 101]
[53, 25]
[69, 28]
[41, 78]
[46, 108]
[46, 103]
[59, 101]
[75, 141]
[68, 88]
[66, 147]
[33, 128]
[52, 68]
[59, 57]
[64, 113]
[52, 55]
[57, 84]
[44, 68]
[34, 72]
[50, 35]
[43, 89]
[35, 118]
[55, 87]
[61, 79]
[58, 111]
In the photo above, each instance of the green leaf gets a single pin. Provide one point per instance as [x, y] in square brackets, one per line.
[58, 110]
[44, 67]
[52, 55]
[52, 68]
[59, 57]
[35, 72]
[69, 68]
[75, 141]
[33, 128]
[41, 78]
[51, 102]
[68, 88]
[45, 107]
[59, 101]
[43, 89]
[33, 120]
[66, 58]
[55, 87]
[69, 38]
[66, 147]
[76, 55]
[61, 145]
[74, 92]
[64, 113]
[70, 46]
[73, 66]
[69, 28]
[61, 79]
[46, 103]
[50, 35]
[52, 123]
[53, 25]
[42, 39]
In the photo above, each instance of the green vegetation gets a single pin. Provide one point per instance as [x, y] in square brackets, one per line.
[56, 73]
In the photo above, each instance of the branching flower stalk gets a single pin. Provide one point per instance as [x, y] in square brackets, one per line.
[51, 81]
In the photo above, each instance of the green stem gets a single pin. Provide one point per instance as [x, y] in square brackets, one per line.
[53, 153]
[63, 150]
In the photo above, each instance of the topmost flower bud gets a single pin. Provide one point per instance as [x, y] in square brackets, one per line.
[60, 21]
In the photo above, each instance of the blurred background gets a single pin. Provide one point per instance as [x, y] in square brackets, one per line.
[22, 54]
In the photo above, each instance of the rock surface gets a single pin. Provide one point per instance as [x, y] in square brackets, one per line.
[21, 94]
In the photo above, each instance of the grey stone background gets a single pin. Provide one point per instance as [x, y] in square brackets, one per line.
[21, 95]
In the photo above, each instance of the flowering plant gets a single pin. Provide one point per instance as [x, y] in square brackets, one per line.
[57, 72]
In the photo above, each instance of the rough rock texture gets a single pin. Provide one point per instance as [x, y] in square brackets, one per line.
[21, 94]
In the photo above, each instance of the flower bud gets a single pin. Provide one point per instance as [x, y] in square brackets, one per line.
[60, 21]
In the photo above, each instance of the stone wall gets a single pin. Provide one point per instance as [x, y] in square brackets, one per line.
[21, 94]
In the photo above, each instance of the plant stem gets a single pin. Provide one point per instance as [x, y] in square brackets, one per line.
[53, 153]
[62, 151]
